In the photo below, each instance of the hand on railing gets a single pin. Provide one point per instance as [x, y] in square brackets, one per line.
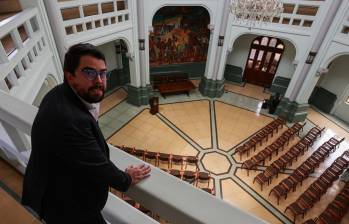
[138, 173]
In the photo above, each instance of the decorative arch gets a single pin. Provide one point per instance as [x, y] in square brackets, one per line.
[295, 45]
[155, 10]
[180, 35]
[49, 82]
[263, 60]
[330, 59]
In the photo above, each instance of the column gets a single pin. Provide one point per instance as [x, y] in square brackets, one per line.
[210, 85]
[294, 108]
[138, 93]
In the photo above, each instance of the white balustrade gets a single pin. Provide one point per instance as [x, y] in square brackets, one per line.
[13, 65]
[84, 23]
[342, 35]
[295, 15]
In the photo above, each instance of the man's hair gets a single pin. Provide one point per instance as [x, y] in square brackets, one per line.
[75, 52]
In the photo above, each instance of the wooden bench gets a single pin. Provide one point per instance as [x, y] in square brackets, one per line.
[172, 83]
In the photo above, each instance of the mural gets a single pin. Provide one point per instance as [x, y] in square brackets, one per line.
[180, 35]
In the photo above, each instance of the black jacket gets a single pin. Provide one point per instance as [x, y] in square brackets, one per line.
[69, 170]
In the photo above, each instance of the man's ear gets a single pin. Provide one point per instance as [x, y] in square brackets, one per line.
[68, 76]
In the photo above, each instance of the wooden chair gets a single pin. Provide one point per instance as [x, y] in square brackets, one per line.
[191, 160]
[176, 173]
[209, 190]
[241, 150]
[297, 209]
[261, 179]
[203, 177]
[164, 158]
[279, 191]
[189, 176]
[177, 159]
[151, 157]
[140, 153]
[248, 165]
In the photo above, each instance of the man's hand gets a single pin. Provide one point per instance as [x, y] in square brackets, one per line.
[138, 173]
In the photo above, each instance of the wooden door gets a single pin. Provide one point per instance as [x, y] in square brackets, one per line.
[263, 61]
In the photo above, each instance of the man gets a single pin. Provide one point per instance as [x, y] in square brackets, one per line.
[69, 171]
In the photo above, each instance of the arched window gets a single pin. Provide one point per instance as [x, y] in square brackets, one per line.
[263, 60]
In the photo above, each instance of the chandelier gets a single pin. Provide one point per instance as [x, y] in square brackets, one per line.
[252, 11]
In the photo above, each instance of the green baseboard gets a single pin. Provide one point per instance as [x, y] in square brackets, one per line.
[139, 95]
[211, 88]
[292, 111]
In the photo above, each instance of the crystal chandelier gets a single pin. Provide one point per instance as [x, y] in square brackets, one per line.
[252, 11]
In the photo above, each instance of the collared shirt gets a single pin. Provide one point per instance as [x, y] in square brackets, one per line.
[93, 108]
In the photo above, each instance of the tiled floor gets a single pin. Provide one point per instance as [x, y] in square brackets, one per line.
[247, 89]
[211, 129]
[11, 210]
[112, 100]
[228, 121]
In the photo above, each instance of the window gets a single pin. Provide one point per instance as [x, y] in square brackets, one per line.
[90, 10]
[107, 7]
[70, 13]
[8, 83]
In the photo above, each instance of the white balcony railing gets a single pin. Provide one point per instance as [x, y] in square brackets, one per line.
[80, 16]
[298, 16]
[342, 34]
[167, 196]
[22, 42]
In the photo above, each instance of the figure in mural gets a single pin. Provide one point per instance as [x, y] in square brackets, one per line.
[180, 35]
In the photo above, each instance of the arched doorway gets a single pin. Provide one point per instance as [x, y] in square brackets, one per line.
[48, 84]
[263, 60]
[117, 63]
[179, 40]
[331, 93]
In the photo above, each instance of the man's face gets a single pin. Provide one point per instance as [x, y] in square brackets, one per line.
[93, 90]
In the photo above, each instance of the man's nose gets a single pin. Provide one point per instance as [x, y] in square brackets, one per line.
[98, 79]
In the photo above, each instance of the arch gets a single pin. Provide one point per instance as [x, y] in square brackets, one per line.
[49, 82]
[155, 10]
[330, 59]
[180, 35]
[231, 46]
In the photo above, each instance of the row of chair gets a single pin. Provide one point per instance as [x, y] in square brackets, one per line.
[190, 176]
[158, 157]
[304, 170]
[262, 134]
[335, 211]
[280, 164]
[319, 187]
[277, 145]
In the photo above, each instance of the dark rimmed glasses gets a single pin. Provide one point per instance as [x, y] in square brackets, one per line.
[91, 74]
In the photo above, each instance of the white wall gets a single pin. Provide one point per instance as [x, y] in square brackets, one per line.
[241, 49]
[337, 78]
[108, 50]
[286, 67]
[337, 82]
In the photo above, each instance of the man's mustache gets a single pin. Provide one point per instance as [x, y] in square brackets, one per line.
[101, 87]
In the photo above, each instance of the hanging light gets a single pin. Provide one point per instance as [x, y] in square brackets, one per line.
[252, 11]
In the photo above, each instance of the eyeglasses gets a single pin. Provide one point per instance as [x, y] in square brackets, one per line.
[91, 74]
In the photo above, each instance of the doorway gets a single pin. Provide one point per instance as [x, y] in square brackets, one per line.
[263, 61]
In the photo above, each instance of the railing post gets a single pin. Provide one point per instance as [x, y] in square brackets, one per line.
[19, 140]
[28, 28]
[16, 38]
[3, 55]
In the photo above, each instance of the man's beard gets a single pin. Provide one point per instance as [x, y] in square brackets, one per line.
[92, 98]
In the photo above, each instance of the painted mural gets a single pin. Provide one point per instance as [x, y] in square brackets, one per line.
[180, 35]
